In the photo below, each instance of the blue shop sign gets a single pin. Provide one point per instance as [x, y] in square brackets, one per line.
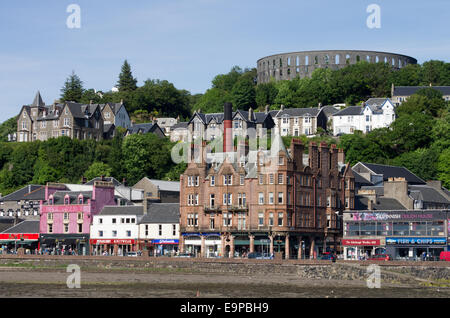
[164, 241]
[416, 241]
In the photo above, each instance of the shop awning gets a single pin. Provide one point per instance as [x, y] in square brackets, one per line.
[17, 242]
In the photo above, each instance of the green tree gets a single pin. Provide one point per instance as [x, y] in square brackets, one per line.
[443, 168]
[212, 101]
[98, 169]
[8, 127]
[435, 73]
[422, 162]
[90, 95]
[411, 131]
[126, 80]
[243, 94]
[72, 89]
[265, 94]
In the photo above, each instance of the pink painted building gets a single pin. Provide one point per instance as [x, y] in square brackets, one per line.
[66, 216]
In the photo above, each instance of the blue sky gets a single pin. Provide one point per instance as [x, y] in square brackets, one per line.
[188, 42]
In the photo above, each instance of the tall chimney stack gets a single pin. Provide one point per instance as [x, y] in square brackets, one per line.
[227, 132]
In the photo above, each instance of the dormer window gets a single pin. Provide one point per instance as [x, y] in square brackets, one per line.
[51, 200]
[66, 200]
[80, 199]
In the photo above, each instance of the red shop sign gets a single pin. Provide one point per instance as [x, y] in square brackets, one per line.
[18, 236]
[118, 241]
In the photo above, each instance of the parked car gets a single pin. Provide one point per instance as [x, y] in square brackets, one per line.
[444, 256]
[132, 254]
[256, 255]
[328, 256]
[185, 255]
[379, 257]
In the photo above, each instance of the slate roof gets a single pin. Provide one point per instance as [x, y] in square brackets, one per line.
[393, 171]
[166, 185]
[350, 111]
[361, 180]
[180, 125]
[142, 128]
[31, 192]
[427, 194]
[58, 196]
[362, 203]
[258, 117]
[162, 213]
[329, 110]
[123, 210]
[376, 101]
[27, 226]
[409, 90]
[38, 100]
[299, 112]
[6, 222]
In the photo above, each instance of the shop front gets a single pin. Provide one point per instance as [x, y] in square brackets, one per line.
[241, 246]
[415, 248]
[164, 247]
[192, 244]
[358, 249]
[262, 245]
[213, 245]
[10, 243]
[60, 244]
[116, 247]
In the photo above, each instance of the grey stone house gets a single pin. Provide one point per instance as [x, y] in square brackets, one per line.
[210, 126]
[23, 203]
[41, 122]
[400, 93]
[299, 121]
[145, 129]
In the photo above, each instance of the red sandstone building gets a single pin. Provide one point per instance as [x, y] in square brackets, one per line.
[277, 200]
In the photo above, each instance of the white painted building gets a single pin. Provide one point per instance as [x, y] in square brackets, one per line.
[159, 229]
[115, 230]
[376, 113]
